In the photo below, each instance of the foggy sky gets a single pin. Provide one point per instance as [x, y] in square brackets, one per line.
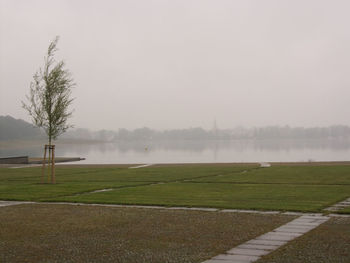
[184, 63]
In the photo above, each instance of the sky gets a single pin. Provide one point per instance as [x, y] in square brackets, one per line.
[169, 64]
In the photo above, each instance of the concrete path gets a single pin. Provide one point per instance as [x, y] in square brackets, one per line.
[100, 191]
[24, 166]
[339, 206]
[141, 166]
[265, 165]
[262, 245]
[8, 203]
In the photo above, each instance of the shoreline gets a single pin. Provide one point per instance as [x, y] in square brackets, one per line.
[63, 163]
[125, 165]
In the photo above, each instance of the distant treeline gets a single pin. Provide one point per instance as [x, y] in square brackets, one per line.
[271, 132]
[11, 128]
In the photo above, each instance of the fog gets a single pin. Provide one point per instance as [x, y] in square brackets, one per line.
[184, 63]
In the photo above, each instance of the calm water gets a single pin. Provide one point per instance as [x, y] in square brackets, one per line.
[198, 151]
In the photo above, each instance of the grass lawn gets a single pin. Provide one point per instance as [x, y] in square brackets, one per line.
[295, 188]
[35, 191]
[24, 184]
[329, 243]
[242, 196]
[65, 233]
[149, 174]
[314, 175]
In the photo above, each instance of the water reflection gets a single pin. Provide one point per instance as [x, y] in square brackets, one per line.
[197, 151]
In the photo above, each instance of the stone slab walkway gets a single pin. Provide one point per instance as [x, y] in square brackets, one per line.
[252, 250]
[8, 203]
[141, 166]
[265, 165]
[339, 206]
[210, 209]
[18, 166]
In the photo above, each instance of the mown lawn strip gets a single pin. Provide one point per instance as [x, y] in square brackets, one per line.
[321, 175]
[248, 196]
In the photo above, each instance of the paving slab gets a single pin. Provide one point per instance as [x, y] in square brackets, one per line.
[339, 206]
[292, 213]
[292, 229]
[275, 237]
[256, 246]
[306, 215]
[248, 251]
[303, 224]
[98, 191]
[243, 258]
[279, 234]
[223, 261]
[298, 226]
[338, 215]
[9, 203]
[193, 208]
[251, 250]
[313, 217]
[141, 166]
[309, 220]
[250, 211]
[312, 214]
[292, 234]
[265, 165]
[266, 242]
[295, 226]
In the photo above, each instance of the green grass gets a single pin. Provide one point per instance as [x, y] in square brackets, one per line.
[345, 211]
[292, 188]
[147, 174]
[36, 192]
[24, 184]
[327, 175]
[241, 196]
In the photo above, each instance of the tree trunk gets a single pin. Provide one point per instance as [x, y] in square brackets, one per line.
[43, 168]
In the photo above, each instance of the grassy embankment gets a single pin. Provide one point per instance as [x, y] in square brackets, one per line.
[292, 188]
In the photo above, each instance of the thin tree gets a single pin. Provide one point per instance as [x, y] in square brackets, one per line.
[49, 99]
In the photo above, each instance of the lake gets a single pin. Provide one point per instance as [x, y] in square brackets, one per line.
[187, 151]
